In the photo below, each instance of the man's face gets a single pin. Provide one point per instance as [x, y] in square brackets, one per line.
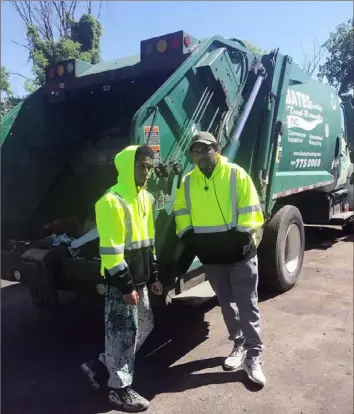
[204, 156]
[142, 169]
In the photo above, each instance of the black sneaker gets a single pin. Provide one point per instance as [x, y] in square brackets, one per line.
[126, 399]
[96, 373]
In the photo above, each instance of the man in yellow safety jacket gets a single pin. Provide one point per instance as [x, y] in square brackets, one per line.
[125, 225]
[217, 213]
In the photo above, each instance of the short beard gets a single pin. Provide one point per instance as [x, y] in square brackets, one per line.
[207, 171]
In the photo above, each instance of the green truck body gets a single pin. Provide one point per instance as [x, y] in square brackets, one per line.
[291, 133]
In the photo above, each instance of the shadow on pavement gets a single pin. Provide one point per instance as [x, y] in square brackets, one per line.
[40, 363]
[185, 377]
[323, 238]
[179, 339]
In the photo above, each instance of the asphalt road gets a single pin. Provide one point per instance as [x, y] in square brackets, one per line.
[308, 335]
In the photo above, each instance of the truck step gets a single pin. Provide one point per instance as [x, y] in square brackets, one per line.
[340, 193]
[341, 218]
[197, 295]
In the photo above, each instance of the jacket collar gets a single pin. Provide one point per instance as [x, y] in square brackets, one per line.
[221, 162]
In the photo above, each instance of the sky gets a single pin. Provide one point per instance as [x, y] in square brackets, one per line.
[293, 26]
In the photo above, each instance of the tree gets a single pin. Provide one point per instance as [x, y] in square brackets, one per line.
[5, 81]
[311, 61]
[54, 35]
[8, 103]
[8, 100]
[338, 68]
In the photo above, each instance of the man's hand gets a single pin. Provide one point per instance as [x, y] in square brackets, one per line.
[156, 288]
[131, 298]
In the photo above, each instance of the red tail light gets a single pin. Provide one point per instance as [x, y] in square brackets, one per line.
[51, 72]
[187, 41]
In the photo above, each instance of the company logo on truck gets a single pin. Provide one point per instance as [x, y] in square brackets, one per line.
[302, 112]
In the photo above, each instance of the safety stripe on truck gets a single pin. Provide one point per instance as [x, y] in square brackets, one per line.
[300, 189]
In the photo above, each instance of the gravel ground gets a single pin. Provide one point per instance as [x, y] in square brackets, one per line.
[308, 336]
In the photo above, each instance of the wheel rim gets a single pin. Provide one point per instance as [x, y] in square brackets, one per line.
[292, 248]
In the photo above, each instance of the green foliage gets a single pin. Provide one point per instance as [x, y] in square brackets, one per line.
[54, 35]
[8, 100]
[30, 85]
[5, 81]
[8, 103]
[253, 48]
[87, 32]
[338, 68]
[83, 45]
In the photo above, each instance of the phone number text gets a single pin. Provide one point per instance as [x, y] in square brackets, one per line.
[306, 162]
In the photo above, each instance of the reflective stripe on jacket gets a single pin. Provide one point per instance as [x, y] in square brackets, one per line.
[227, 202]
[125, 224]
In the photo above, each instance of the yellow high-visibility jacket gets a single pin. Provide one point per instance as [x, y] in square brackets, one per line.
[218, 216]
[125, 225]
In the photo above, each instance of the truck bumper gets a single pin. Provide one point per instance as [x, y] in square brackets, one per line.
[46, 272]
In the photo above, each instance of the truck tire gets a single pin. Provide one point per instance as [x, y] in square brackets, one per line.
[281, 251]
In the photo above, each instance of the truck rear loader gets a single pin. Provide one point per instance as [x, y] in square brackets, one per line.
[291, 133]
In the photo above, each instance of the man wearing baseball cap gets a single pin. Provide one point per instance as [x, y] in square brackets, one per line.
[217, 213]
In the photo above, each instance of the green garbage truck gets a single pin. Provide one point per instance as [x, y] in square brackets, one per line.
[291, 133]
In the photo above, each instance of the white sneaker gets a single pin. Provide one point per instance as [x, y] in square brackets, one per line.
[235, 359]
[253, 367]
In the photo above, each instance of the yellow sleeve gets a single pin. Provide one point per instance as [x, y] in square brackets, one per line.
[181, 212]
[151, 222]
[249, 210]
[111, 230]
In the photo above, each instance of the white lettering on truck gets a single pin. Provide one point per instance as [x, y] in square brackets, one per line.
[300, 115]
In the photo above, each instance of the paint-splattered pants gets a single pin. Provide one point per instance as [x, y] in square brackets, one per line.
[126, 329]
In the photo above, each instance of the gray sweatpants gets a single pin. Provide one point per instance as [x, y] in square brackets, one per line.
[235, 286]
[126, 329]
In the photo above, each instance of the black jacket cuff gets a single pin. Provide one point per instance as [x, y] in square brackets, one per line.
[187, 238]
[123, 281]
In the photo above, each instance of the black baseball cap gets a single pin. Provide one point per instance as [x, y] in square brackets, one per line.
[204, 138]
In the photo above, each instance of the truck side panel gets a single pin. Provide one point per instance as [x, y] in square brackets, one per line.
[309, 145]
